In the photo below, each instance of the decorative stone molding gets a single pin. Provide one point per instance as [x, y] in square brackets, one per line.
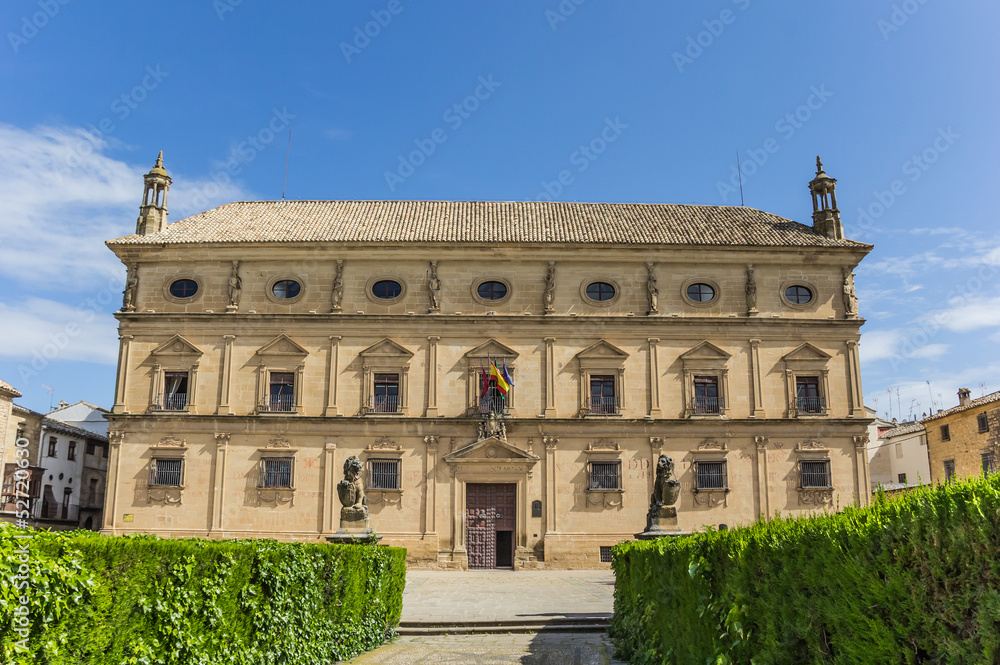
[384, 497]
[712, 444]
[550, 442]
[116, 437]
[276, 496]
[603, 444]
[164, 495]
[861, 440]
[222, 439]
[170, 441]
[812, 446]
[385, 443]
[432, 443]
[279, 442]
[606, 498]
[705, 359]
[656, 443]
[711, 498]
[816, 497]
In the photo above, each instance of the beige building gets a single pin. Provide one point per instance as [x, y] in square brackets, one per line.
[264, 343]
[964, 440]
[897, 458]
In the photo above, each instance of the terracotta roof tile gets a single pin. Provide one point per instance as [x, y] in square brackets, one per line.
[6, 387]
[981, 401]
[905, 428]
[486, 222]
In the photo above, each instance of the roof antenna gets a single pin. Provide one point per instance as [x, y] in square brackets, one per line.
[287, 151]
[739, 172]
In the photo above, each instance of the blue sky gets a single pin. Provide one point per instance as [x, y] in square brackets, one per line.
[498, 98]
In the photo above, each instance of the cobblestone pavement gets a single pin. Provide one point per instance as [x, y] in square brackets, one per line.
[504, 595]
[536, 649]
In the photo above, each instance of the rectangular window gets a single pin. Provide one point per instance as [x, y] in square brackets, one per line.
[606, 475]
[902, 478]
[165, 472]
[816, 473]
[706, 395]
[52, 446]
[984, 423]
[91, 448]
[276, 472]
[949, 470]
[605, 553]
[386, 397]
[93, 492]
[281, 393]
[175, 391]
[989, 465]
[603, 399]
[383, 474]
[945, 433]
[491, 400]
[807, 397]
[71, 454]
[711, 476]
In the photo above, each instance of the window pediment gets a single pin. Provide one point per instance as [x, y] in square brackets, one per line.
[386, 350]
[491, 348]
[806, 353]
[602, 350]
[176, 346]
[490, 451]
[282, 345]
[705, 354]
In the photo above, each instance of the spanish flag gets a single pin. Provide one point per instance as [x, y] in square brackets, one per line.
[496, 375]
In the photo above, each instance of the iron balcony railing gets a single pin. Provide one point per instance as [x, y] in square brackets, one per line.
[810, 405]
[172, 401]
[278, 403]
[708, 405]
[606, 406]
[491, 404]
[384, 404]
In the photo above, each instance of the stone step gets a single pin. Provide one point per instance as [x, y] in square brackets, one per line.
[564, 625]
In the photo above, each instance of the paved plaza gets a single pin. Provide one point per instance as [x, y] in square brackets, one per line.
[503, 595]
[530, 649]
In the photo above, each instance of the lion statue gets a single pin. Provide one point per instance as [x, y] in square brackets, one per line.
[351, 489]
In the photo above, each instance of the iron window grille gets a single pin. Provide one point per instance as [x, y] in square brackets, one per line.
[605, 553]
[165, 472]
[949, 470]
[383, 474]
[902, 478]
[276, 472]
[711, 476]
[606, 475]
[815, 474]
[989, 464]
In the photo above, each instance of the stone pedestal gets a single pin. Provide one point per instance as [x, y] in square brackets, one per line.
[662, 522]
[355, 527]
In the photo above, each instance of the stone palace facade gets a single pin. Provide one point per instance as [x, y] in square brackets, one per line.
[264, 343]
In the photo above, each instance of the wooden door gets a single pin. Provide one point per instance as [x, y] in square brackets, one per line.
[489, 509]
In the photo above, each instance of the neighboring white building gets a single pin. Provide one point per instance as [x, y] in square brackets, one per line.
[898, 458]
[83, 415]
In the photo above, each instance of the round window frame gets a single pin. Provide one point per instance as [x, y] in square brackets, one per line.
[600, 303]
[699, 303]
[489, 303]
[372, 281]
[269, 290]
[170, 297]
[809, 306]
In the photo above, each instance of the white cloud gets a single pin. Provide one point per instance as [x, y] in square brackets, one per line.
[39, 331]
[338, 134]
[971, 315]
[899, 345]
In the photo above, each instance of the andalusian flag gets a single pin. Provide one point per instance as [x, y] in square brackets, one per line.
[502, 384]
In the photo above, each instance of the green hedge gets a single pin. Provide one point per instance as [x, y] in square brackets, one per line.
[912, 579]
[100, 600]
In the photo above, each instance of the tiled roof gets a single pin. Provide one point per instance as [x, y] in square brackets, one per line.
[487, 222]
[982, 401]
[905, 428]
[7, 388]
[72, 430]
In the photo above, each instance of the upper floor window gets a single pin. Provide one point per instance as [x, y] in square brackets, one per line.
[386, 395]
[988, 462]
[71, 453]
[52, 446]
[949, 470]
[276, 472]
[165, 472]
[492, 290]
[700, 292]
[798, 294]
[815, 474]
[281, 392]
[383, 474]
[807, 395]
[286, 289]
[706, 395]
[945, 433]
[600, 291]
[175, 391]
[983, 422]
[606, 475]
[603, 399]
[491, 398]
[387, 289]
[184, 288]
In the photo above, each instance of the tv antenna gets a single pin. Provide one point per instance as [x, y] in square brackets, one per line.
[51, 391]
[288, 151]
[739, 172]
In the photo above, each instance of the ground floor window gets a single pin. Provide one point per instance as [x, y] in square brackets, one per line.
[383, 474]
[165, 472]
[276, 472]
[815, 474]
[606, 475]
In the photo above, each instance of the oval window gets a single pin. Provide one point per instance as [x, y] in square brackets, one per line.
[286, 288]
[492, 290]
[387, 289]
[184, 288]
[700, 292]
[600, 291]
[799, 295]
